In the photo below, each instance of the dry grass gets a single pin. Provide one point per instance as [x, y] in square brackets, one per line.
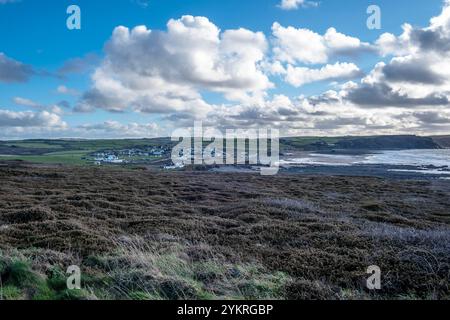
[320, 233]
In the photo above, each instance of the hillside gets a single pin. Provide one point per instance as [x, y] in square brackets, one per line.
[362, 143]
[443, 141]
[81, 152]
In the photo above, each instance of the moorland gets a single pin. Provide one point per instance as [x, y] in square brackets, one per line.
[140, 233]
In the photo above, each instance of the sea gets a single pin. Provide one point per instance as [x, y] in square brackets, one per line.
[419, 162]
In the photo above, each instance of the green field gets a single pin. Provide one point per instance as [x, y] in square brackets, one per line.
[305, 141]
[64, 157]
[36, 145]
[86, 144]
[71, 152]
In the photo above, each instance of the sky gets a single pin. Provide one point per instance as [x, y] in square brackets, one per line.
[139, 68]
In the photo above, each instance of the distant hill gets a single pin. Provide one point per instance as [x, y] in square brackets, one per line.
[42, 147]
[388, 142]
[363, 143]
[443, 141]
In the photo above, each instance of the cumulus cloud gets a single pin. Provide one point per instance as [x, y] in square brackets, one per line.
[420, 55]
[296, 4]
[417, 74]
[26, 102]
[29, 124]
[301, 116]
[373, 109]
[411, 70]
[299, 45]
[433, 117]
[62, 89]
[164, 71]
[46, 122]
[434, 38]
[14, 71]
[381, 95]
[117, 129]
[294, 49]
[56, 108]
[42, 119]
[167, 72]
[407, 93]
[298, 76]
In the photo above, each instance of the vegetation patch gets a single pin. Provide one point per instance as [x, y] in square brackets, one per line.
[199, 235]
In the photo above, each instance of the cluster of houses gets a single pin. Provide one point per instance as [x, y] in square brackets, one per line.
[221, 154]
[187, 157]
[120, 156]
[146, 152]
[101, 158]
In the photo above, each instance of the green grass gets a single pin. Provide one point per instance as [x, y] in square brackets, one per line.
[70, 157]
[88, 144]
[19, 274]
[138, 272]
[10, 292]
[71, 152]
[305, 141]
[19, 281]
[37, 145]
[153, 274]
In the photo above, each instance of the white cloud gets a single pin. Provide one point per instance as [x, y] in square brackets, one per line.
[327, 114]
[53, 108]
[26, 102]
[408, 94]
[294, 48]
[168, 72]
[117, 129]
[294, 45]
[27, 125]
[298, 76]
[62, 89]
[165, 71]
[389, 44]
[296, 4]
[418, 68]
[42, 119]
[298, 45]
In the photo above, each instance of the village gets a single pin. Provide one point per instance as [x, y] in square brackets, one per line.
[130, 156]
[165, 157]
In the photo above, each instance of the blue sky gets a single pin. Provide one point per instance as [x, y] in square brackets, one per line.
[34, 33]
